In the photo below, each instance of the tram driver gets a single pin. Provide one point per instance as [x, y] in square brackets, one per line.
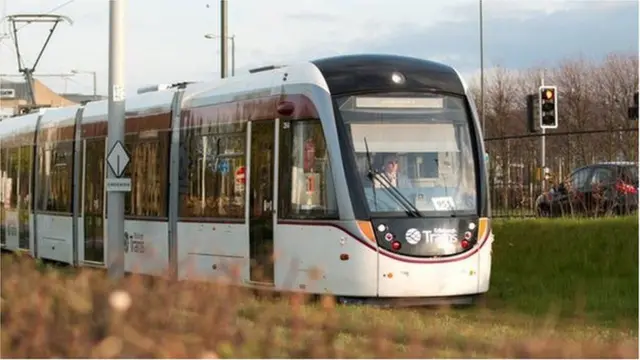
[391, 171]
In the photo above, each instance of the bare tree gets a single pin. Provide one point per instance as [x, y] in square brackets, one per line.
[616, 81]
[592, 96]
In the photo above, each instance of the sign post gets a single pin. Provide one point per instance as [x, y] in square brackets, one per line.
[117, 158]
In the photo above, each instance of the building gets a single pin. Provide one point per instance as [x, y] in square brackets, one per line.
[82, 98]
[15, 95]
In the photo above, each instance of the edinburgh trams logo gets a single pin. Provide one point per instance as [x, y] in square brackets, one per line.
[436, 236]
[413, 236]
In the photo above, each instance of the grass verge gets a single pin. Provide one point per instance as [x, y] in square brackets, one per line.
[575, 268]
[560, 288]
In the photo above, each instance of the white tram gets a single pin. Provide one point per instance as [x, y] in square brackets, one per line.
[361, 176]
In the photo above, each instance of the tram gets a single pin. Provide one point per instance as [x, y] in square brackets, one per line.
[360, 176]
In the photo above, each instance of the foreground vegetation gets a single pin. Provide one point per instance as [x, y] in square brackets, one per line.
[560, 288]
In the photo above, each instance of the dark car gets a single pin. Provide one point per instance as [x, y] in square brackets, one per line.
[598, 189]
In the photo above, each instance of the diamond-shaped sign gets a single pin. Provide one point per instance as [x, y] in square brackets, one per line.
[118, 159]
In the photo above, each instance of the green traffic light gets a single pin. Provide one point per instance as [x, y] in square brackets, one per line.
[548, 120]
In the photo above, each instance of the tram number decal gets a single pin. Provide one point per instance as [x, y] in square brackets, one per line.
[443, 203]
[134, 243]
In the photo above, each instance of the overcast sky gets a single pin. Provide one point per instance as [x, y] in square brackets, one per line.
[165, 38]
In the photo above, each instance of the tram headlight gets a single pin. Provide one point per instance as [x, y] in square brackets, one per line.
[397, 78]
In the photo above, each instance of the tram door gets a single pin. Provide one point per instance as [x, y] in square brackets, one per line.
[93, 200]
[24, 202]
[3, 194]
[261, 201]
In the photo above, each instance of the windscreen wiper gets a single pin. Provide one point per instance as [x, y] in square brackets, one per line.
[369, 173]
[397, 195]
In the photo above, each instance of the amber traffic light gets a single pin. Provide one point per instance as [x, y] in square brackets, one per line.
[548, 96]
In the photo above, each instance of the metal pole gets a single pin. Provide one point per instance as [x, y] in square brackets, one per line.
[95, 90]
[223, 39]
[115, 210]
[484, 127]
[233, 55]
[543, 147]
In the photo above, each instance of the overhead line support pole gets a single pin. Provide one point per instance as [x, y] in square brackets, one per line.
[115, 135]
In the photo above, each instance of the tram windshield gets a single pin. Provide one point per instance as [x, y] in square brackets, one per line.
[414, 154]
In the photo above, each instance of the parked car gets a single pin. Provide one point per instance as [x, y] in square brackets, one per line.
[598, 189]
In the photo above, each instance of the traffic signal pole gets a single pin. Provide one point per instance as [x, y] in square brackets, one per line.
[543, 148]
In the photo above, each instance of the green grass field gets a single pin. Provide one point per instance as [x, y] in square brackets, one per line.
[560, 288]
[581, 268]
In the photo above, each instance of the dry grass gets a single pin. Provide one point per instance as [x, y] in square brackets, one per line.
[560, 288]
[49, 314]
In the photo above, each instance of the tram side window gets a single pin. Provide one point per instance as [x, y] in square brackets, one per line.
[55, 177]
[306, 182]
[149, 172]
[40, 180]
[3, 176]
[24, 191]
[13, 163]
[94, 153]
[211, 162]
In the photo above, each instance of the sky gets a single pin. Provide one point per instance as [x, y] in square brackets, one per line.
[165, 38]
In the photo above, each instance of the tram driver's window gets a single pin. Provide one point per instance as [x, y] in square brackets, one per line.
[423, 165]
[306, 182]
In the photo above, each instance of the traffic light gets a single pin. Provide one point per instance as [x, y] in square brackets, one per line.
[533, 113]
[548, 96]
[633, 110]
